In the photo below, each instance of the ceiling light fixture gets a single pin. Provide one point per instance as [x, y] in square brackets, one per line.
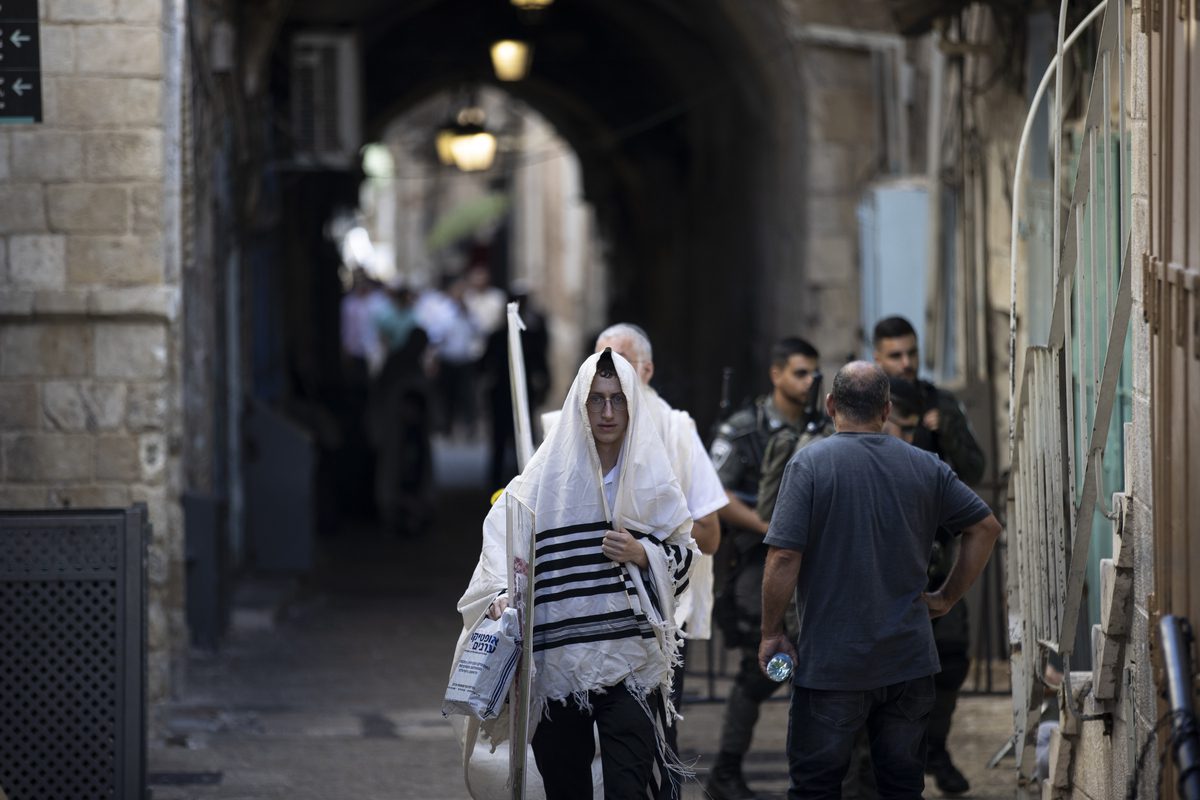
[511, 59]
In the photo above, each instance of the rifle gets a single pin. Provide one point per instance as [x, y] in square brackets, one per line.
[724, 405]
[814, 409]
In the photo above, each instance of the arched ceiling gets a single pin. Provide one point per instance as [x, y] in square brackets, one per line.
[670, 105]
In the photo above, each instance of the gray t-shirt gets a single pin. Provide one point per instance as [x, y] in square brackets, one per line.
[863, 509]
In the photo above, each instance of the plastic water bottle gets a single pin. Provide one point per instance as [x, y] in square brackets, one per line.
[779, 668]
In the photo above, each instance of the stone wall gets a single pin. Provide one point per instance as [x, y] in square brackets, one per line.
[1105, 755]
[88, 307]
[1134, 710]
[841, 151]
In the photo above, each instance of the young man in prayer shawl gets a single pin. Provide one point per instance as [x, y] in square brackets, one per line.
[613, 551]
[704, 493]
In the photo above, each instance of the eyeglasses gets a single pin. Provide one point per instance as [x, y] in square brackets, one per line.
[596, 402]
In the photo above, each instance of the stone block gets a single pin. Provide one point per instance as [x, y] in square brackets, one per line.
[158, 676]
[105, 405]
[156, 621]
[830, 170]
[1139, 460]
[22, 497]
[58, 49]
[152, 456]
[37, 262]
[1139, 84]
[114, 260]
[62, 407]
[79, 10]
[153, 301]
[1143, 567]
[1116, 601]
[124, 155]
[1122, 545]
[831, 260]
[83, 406]
[88, 208]
[47, 155]
[1106, 664]
[1092, 772]
[1081, 687]
[139, 10]
[45, 349]
[90, 102]
[146, 409]
[841, 115]
[71, 302]
[1060, 760]
[16, 302]
[155, 498]
[18, 406]
[147, 208]
[108, 496]
[117, 458]
[120, 50]
[50, 456]
[836, 217]
[22, 208]
[131, 350]
[5, 148]
[830, 67]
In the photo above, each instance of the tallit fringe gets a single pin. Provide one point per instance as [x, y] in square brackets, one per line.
[666, 757]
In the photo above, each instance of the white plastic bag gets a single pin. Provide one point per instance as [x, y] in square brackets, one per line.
[481, 678]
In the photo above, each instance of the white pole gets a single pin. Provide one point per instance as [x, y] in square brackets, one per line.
[1051, 70]
[520, 395]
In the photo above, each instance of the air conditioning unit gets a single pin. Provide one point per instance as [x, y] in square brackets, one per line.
[326, 100]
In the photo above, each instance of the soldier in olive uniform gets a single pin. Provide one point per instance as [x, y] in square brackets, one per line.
[737, 453]
[934, 420]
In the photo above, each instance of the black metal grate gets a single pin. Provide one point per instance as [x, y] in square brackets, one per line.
[71, 654]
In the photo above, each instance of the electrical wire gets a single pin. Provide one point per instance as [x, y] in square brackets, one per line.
[1178, 731]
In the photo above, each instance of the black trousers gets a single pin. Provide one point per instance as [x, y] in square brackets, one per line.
[564, 746]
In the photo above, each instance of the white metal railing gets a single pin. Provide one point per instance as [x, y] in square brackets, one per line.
[1061, 417]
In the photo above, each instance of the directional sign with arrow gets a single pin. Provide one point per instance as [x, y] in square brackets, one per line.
[20, 62]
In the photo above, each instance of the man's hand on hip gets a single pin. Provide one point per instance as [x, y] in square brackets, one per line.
[939, 606]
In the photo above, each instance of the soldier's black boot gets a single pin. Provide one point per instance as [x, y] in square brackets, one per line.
[947, 777]
[725, 782]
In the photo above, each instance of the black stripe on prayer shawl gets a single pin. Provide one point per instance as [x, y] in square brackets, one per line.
[682, 557]
[598, 637]
[582, 527]
[576, 577]
[640, 535]
[619, 625]
[623, 624]
[545, 565]
[595, 619]
[586, 591]
[569, 544]
[652, 592]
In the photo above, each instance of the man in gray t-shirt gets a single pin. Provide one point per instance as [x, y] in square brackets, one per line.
[851, 537]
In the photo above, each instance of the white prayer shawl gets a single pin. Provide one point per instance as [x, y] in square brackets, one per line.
[597, 624]
[678, 432]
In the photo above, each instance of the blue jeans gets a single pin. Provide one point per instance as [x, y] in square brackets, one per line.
[821, 730]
